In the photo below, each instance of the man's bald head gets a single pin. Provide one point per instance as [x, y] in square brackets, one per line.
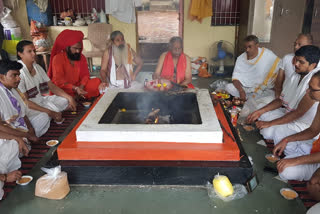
[302, 40]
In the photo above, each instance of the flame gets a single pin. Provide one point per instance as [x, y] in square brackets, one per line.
[156, 120]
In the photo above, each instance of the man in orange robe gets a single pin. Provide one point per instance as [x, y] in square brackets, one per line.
[174, 65]
[68, 67]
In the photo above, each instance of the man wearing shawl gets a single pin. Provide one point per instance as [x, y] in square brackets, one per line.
[286, 65]
[34, 84]
[15, 128]
[299, 166]
[254, 72]
[299, 109]
[174, 65]
[68, 67]
[117, 64]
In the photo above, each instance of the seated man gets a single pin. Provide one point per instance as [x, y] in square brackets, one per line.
[286, 65]
[68, 68]
[299, 109]
[254, 71]
[117, 64]
[34, 83]
[13, 110]
[301, 166]
[174, 65]
[10, 147]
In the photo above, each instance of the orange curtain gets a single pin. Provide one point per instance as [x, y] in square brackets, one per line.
[199, 9]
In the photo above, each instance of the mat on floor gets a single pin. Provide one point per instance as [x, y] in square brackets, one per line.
[299, 186]
[39, 149]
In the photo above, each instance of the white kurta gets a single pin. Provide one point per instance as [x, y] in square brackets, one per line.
[9, 159]
[286, 65]
[39, 120]
[9, 149]
[291, 96]
[256, 75]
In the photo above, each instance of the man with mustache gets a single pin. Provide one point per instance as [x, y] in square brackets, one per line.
[299, 109]
[117, 64]
[15, 127]
[254, 72]
[286, 65]
[68, 67]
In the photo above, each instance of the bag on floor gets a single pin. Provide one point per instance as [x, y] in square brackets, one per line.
[53, 185]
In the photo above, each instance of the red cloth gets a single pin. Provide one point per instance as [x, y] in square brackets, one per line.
[315, 146]
[168, 68]
[64, 39]
[65, 76]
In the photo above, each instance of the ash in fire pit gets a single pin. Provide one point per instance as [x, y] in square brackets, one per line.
[152, 108]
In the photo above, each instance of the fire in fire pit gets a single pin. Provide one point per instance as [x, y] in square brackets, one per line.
[153, 108]
[154, 117]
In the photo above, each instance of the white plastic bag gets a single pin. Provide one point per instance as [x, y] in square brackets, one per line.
[53, 185]
[219, 85]
[7, 20]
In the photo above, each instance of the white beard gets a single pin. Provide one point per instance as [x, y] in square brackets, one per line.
[120, 55]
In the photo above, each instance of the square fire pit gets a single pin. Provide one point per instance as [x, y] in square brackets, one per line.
[138, 116]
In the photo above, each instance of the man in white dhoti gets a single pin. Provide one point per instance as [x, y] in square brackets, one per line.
[299, 108]
[254, 72]
[117, 64]
[286, 65]
[34, 84]
[15, 128]
[300, 165]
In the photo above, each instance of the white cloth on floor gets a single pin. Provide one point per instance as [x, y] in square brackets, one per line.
[123, 10]
[120, 84]
[300, 172]
[36, 85]
[9, 159]
[294, 89]
[258, 73]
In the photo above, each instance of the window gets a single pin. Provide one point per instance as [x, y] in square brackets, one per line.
[262, 19]
[225, 12]
[82, 7]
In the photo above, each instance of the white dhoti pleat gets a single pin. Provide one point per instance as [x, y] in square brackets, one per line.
[9, 159]
[40, 121]
[300, 172]
[268, 133]
[298, 148]
[55, 103]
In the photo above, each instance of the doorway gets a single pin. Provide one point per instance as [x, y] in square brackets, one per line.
[158, 21]
[276, 23]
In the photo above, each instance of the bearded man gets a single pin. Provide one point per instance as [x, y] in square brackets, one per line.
[117, 64]
[68, 67]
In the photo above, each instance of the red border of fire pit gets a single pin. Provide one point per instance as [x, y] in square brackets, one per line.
[164, 151]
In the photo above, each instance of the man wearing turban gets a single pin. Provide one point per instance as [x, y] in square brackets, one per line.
[68, 67]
